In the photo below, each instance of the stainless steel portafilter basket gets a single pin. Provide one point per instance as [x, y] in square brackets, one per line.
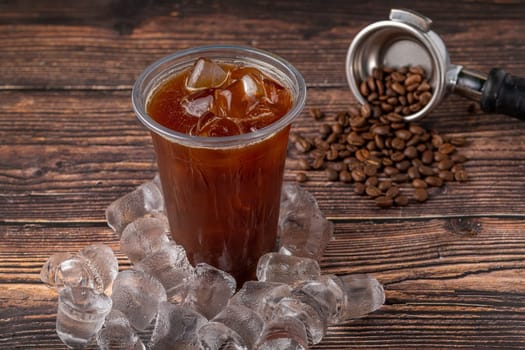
[406, 40]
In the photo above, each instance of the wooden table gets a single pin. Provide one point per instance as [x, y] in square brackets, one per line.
[453, 267]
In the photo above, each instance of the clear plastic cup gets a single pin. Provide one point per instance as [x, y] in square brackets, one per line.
[222, 194]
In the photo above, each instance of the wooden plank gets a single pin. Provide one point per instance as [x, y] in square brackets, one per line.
[64, 156]
[92, 53]
[449, 283]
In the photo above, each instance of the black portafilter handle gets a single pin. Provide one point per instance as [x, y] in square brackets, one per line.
[503, 93]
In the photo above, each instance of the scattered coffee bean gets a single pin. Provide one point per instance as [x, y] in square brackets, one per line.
[401, 200]
[372, 146]
[331, 174]
[384, 201]
[301, 177]
[420, 194]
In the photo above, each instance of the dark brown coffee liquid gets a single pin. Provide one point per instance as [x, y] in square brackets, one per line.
[223, 204]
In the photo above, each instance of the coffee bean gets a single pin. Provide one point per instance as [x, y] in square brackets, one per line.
[410, 152]
[390, 171]
[413, 173]
[371, 181]
[427, 157]
[359, 188]
[415, 107]
[331, 174]
[445, 164]
[398, 88]
[413, 79]
[399, 177]
[398, 77]
[398, 143]
[420, 194]
[337, 166]
[304, 164]
[425, 98]
[461, 175]
[424, 86]
[377, 73]
[381, 130]
[437, 140]
[373, 191]
[331, 154]
[358, 175]
[401, 200]
[457, 141]
[318, 163]
[447, 148]
[446, 175]
[384, 201]
[354, 138]
[384, 185]
[380, 87]
[438, 156]
[302, 145]
[403, 134]
[458, 158]
[301, 177]
[417, 70]
[418, 183]
[403, 165]
[392, 191]
[365, 111]
[316, 113]
[416, 129]
[370, 170]
[362, 154]
[457, 167]
[425, 170]
[397, 156]
[294, 137]
[363, 145]
[434, 181]
[363, 88]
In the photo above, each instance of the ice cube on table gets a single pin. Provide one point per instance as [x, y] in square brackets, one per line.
[303, 230]
[283, 333]
[49, 270]
[218, 336]
[252, 292]
[325, 293]
[80, 315]
[363, 294]
[171, 267]
[145, 199]
[209, 290]
[95, 266]
[103, 263]
[205, 74]
[310, 315]
[137, 295]
[144, 236]
[276, 267]
[246, 322]
[117, 333]
[176, 328]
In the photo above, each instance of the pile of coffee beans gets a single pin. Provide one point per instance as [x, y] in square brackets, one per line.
[386, 158]
[404, 91]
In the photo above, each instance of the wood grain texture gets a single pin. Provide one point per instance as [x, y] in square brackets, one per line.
[453, 267]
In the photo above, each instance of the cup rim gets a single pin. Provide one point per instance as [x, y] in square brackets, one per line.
[277, 63]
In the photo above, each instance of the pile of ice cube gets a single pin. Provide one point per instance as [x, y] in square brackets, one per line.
[197, 307]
